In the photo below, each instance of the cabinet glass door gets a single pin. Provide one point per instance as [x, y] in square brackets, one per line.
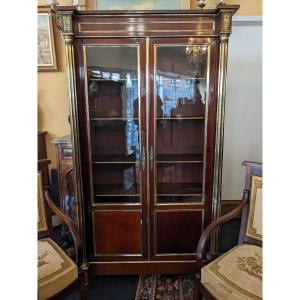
[114, 118]
[180, 96]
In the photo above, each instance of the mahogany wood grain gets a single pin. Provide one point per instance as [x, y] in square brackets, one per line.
[177, 231]
[118, 232]
[144, 267]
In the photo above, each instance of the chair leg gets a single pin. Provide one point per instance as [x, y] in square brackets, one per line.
[198, 295]
[81, 286]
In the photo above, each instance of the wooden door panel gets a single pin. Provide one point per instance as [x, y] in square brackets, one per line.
[178, 231]
[118, 232]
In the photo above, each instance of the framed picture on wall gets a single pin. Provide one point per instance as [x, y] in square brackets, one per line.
[142, 4]
[45, 40]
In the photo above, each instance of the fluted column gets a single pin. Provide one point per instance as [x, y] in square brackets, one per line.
[70, 62]
[225, 30]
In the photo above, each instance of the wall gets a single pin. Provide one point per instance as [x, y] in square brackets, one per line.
[243, 117]
[242, 132]
[53, 100]
[247, 7]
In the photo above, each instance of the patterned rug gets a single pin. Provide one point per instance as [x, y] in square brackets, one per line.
[166, 287]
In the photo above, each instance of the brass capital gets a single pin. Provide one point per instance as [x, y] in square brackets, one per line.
[224, 37]
[69, 39]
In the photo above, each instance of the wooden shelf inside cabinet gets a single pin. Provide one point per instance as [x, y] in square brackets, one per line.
[115, 159]
[113, 119]
[180, 118]
[179, 158]
[114, 190]
[183, 78]
[116, 80]
[170, 189]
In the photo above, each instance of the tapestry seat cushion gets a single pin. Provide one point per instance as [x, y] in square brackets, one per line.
[235, 275]
[56, 270]
[254, 224]
[42, 219]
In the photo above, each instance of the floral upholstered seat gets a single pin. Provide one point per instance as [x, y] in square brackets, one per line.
[235, 275]
[58, 274]
[56, 270]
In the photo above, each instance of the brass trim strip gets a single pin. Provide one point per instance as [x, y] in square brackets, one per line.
[200, 203]
[70, 62]
[197, 32]
[175, 254]
[134, 205]
[206, 120]
[205, 35]
[142, 25]
[113, 119]
[182, 118]
[219, 136]
[118, 255]
[140, 262]
[147, 145]
[178, 161]
[147, 22]
[116, 195]
[88, 119]
[183, 195]
[115, 162]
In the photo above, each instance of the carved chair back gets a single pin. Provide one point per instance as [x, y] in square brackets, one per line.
[251, 221]
[45, 228]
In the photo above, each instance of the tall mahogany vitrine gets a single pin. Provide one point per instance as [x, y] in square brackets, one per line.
[147, 91]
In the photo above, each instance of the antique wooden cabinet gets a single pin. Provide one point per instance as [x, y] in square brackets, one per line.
[147, 92]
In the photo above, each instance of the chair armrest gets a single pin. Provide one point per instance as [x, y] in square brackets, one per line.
[70, 224]
[205, 236]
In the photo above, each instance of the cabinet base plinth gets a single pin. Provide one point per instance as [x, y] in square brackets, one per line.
[144, 267]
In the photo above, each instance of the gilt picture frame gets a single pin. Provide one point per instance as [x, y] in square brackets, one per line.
[45, 42]
[142, 4]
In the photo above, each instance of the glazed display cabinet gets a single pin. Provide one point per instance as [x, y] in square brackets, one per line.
[147, 92]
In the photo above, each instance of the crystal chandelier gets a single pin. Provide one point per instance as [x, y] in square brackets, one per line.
[196, 53]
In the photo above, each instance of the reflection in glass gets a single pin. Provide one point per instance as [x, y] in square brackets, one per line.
[181, 79]
[113, 102]
[180, 83]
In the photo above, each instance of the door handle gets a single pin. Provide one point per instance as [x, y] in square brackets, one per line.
[151, 158]
[143, 158]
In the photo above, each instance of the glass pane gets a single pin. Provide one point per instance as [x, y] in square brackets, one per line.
[181, 80]
[113, 102]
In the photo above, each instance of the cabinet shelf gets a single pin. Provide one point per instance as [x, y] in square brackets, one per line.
[113, 119]
[109, 79]
[115, 190]
[182, 78]
[179, 158]
[115, 159]
[178, 189]
[180, 118]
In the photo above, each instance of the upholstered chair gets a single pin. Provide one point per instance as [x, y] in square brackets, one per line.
[58, 274]
[236, 274]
